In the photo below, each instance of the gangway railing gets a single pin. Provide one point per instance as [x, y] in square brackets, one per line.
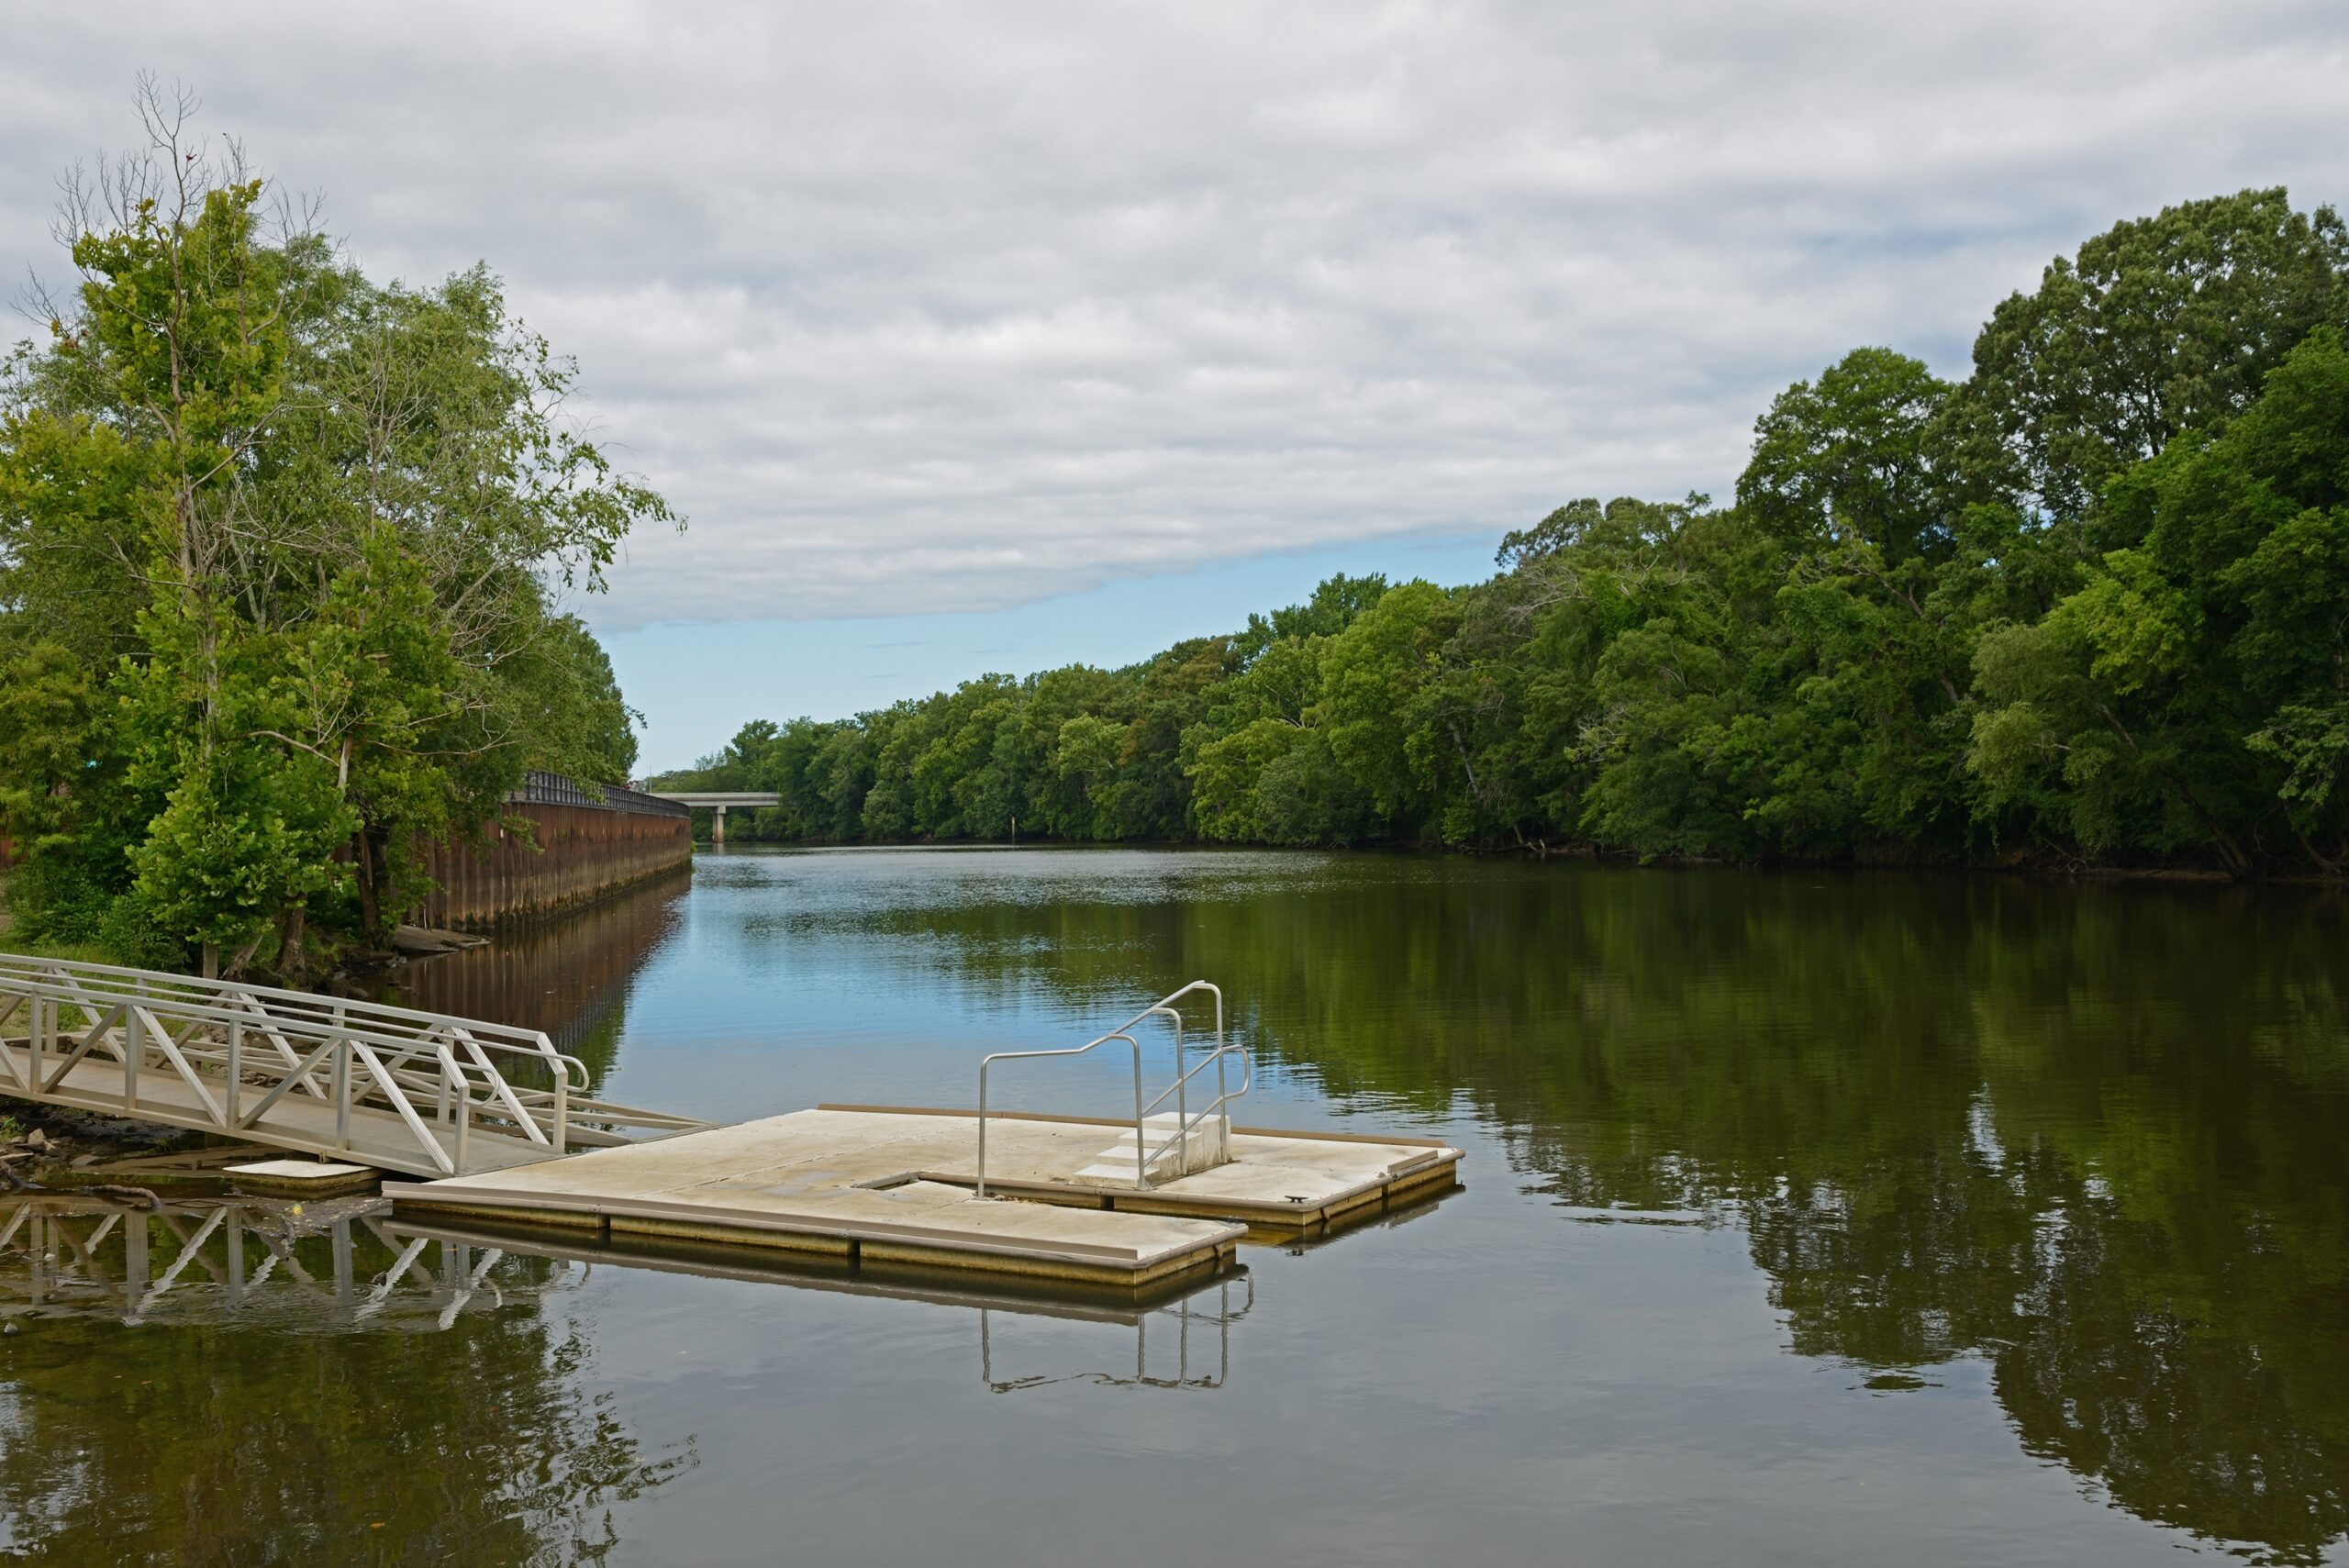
[426, 1093]
[1145, 1154]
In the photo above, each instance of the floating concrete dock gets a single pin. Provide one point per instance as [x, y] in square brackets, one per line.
[502, 1117]
[897, 1184]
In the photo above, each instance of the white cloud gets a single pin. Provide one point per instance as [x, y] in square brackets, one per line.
[925, 307]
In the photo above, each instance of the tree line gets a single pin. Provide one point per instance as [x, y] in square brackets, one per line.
[283, 551]
[2088, 603]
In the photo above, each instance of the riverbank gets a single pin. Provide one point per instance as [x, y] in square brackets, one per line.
[53, 1149]
[2047, 863]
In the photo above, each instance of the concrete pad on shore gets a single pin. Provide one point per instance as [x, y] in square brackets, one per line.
[894, 1185]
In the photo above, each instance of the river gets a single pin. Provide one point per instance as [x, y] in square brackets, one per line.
[1809, 1217]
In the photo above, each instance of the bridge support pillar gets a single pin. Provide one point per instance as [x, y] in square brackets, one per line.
[718, 825]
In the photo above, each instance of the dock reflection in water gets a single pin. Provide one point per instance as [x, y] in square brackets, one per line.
[1176, 1336]
[349, 1267]
[238, 1381]
[1211, 1308]
[316, 1268]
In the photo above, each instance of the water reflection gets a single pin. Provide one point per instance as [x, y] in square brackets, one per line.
[217, 1382]
[567, 978]
[316, 1268]
[1213, 1309]
[2092, 1135]
[2089, 1137]
[1177, 1336]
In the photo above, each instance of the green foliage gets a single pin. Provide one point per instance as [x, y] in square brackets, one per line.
[1332, 608]
[2190, 691]
[1854, 456]
[2159, 327]
[2089, 601]
[278, 549]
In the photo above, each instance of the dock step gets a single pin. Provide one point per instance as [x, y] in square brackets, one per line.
[1200, 1147]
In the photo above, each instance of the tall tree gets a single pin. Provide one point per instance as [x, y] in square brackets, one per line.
[301, 538]
[2156, 326]
[2193, 692]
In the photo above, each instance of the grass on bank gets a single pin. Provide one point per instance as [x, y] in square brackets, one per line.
[13, 941]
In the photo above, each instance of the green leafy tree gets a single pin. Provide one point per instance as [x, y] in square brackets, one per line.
[301, 535]
[2191, 692]
[1373, 675]
[2158, 325]
[1084, 764]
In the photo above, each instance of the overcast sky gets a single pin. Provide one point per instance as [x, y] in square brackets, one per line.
[943, 310]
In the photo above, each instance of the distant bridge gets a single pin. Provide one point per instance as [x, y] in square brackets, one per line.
[717, 801]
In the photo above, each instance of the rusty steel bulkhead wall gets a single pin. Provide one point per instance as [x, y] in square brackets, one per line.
[582, 853]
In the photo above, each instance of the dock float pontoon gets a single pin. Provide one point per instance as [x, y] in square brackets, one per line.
[508, 1126]
[901, 1185]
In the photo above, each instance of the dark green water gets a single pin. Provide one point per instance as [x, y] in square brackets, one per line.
[1843, 1219]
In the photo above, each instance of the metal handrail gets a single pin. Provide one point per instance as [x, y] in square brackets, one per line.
[319, 1019]
[233, 1051]
[165, 981]
[1143, 1154]
[157, 985]
[987, 1062]
[1180, 1088]
[1215, 1060]
[1239, 1051]
[542, 788]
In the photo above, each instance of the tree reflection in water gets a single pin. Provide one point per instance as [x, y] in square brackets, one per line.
[229, 1384]
[2092, 1133]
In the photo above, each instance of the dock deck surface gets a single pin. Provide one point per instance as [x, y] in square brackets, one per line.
[896, 1184]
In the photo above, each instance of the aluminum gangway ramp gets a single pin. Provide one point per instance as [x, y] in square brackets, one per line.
[423, 1094]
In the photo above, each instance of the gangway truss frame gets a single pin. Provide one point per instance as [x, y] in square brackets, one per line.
[420, 1093]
